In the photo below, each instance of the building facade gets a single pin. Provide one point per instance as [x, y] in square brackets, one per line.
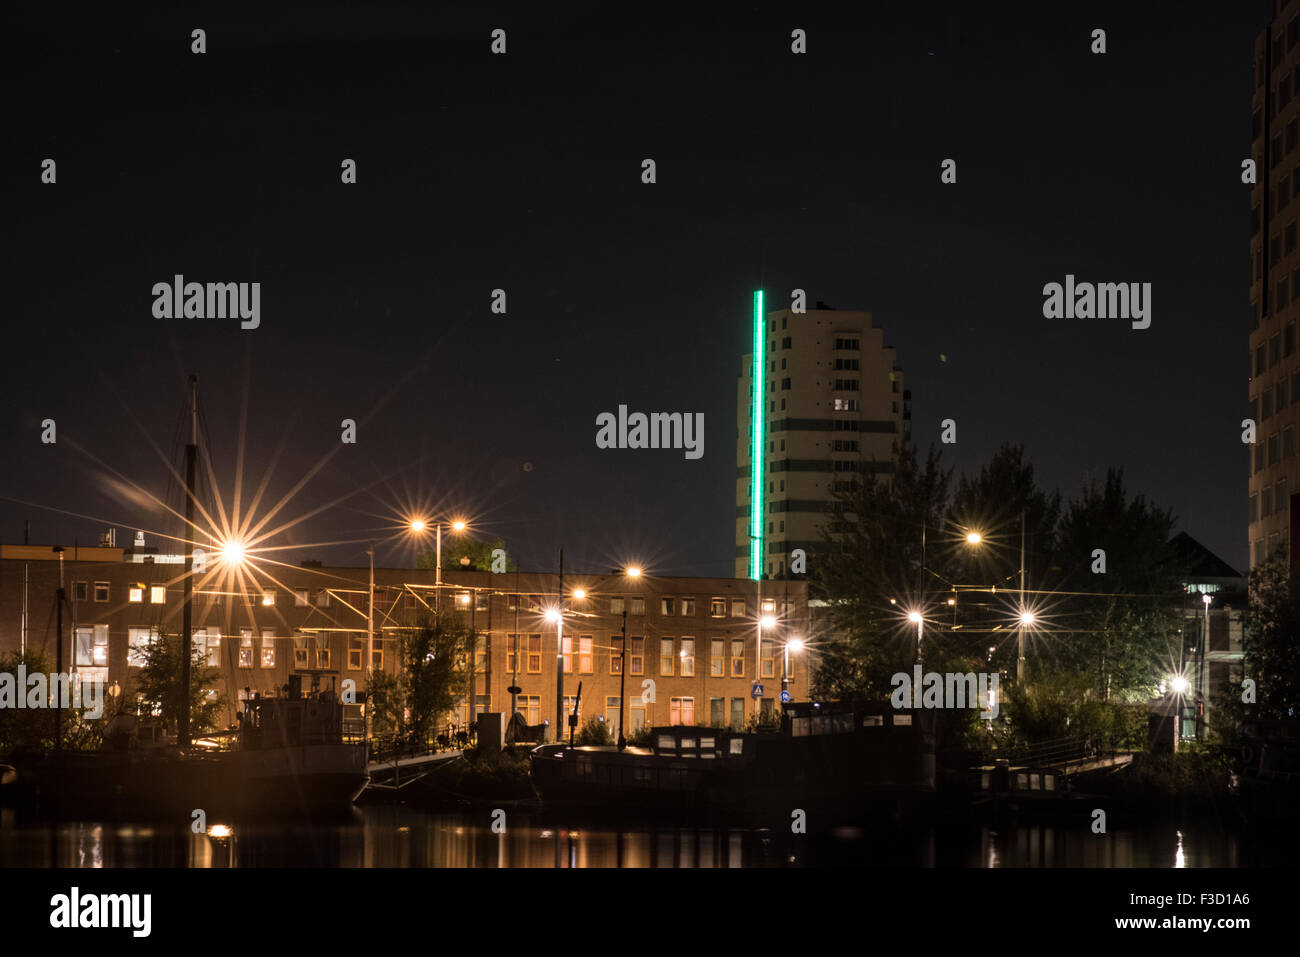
[692, 656]
[1275, 282]
[833, 408]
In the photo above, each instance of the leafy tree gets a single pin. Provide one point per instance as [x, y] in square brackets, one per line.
[430, 681]
[159, 686]
[1271, 653]
[1128, 639]
[460, 552]
[877, 558]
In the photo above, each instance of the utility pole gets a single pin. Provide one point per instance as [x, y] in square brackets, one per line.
[622, 683]
[559, 659]
[514, 688]
[370, 648]
[1020, 623]
[187, 609]
[58, 654]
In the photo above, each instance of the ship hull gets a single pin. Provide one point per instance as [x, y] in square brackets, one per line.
[312, 779]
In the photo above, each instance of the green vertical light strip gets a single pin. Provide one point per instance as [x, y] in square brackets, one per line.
[756, 455]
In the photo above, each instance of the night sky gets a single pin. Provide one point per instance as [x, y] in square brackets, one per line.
[522, 172]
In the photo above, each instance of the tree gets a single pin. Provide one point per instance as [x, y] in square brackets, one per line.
[873, 555]
[159, 686]
[456, 551]
[430, 681]
[1271, 654]
[1127, 639]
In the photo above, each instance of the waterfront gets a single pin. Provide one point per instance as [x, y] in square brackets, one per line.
[395, 836]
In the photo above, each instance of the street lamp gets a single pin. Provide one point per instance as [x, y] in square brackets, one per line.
[974, 538]
[791, 644]
[919, 620]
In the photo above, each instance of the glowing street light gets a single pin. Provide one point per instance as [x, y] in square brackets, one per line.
[580, 593]
[232, 552]
[768, 621]
[1027, 617]
[633, 571]
[974, 538]
[552, 615]
[417, 525]
[1179, 684]
[795, 644]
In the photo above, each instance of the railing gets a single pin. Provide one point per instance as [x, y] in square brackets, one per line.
[1058, 752]
[449, 737]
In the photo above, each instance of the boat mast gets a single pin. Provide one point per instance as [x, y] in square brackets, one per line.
[187, 614]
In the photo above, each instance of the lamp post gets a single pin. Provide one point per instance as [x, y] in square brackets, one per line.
[370, 648]
[622, 683]
[919, 620]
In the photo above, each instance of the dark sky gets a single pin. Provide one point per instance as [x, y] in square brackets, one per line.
[522, 171]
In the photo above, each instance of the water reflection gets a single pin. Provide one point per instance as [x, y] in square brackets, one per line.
[402, 837]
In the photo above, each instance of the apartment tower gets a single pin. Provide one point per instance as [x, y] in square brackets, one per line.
[827, 405]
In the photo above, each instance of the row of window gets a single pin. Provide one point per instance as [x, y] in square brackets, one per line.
[1270, 499]
[1261, 553]
[676, 656]
[685, 606]
[1270, 452]
[842, 365]
[91, 648]
[681, 710]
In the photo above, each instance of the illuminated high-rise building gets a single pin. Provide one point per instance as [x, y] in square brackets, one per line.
[1274, 472]
[829, 405]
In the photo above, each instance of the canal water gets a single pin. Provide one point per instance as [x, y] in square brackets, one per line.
[395, 836]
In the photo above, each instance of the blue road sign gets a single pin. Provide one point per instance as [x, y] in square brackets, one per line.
[785, 697]
[758, 691]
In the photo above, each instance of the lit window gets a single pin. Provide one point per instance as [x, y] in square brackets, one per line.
[300, 651]
[135, 593]
[138, 641]
[322, 651]
[246, 647]
[637, 606]
[616, 606]
[688, 607]
[534, 654]
[300, 598]
[681, 711]
[158, 594]
[567, 654]
[584, 655]
[268, 649]
[737, 609]
[665, 656]
[687, 655]
[717, 659]
[268, 598]
[356, 651]
[616, 655]
[667, 606]
[718, 608]
[636, 656]
[738, 658]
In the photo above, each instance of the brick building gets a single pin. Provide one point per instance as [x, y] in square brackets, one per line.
[695, 638]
